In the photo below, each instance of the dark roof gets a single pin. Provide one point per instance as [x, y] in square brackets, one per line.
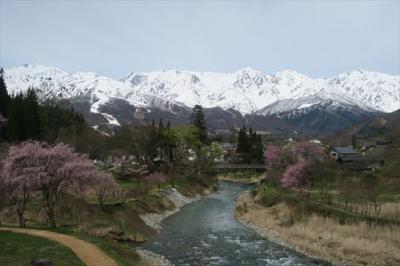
[361, 158]
[345, 150]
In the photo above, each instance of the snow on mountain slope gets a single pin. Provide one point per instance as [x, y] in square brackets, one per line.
[249, 90]
[368, 89]
[54, 83]
[332, 100]
[246, 90]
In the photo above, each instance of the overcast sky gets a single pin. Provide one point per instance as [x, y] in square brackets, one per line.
[319, 39]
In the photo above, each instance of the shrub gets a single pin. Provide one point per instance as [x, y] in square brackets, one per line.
[270, 197]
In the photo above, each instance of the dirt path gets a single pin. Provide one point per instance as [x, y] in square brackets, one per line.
[88, 253]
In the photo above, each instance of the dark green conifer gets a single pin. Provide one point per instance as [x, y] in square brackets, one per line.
[198, 120]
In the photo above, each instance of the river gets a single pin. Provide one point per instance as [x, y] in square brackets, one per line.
[206, 233]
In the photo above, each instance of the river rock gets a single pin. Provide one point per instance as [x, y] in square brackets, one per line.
[41, 262]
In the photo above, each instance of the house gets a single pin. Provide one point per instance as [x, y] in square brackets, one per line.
[361, 163]
[351, 160]
[340, 152]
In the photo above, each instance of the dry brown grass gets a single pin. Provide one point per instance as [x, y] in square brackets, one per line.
[389, 210]
[356, 244]
[255, 179]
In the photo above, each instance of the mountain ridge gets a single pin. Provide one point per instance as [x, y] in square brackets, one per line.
[248, 91]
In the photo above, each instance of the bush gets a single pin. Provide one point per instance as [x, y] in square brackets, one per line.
[270, 197]
[242, 208]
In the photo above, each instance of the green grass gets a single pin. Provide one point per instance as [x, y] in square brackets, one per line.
[20, 249]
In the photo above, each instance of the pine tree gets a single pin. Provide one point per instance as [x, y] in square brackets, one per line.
[4, 97]
[31, 115]
[232, 136]
[242, 141]
[258, 150]
[198, 120]
[15, 124]
[161, 125]
[354, 141]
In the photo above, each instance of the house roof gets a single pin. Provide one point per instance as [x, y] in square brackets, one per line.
[345, 150]
[361, 158]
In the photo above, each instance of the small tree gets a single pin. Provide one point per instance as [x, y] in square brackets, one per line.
[155, 178]
[105, 188]
[323, 179]
[369, 191]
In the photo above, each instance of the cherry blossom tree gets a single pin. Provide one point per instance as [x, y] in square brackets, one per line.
[294, 175]
[309, 152]
[19, 177]
[54, 170]
[273, 153]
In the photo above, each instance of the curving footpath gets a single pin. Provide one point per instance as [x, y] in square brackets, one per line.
[88, 253]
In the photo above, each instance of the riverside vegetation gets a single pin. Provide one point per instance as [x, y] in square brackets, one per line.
[308, 203]
[59, 174]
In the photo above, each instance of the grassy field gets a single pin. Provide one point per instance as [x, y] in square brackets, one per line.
[19, 249]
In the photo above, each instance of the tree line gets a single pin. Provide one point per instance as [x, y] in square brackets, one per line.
[22, 117]
[250, 146]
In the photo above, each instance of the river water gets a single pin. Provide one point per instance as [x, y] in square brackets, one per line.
[206, 233]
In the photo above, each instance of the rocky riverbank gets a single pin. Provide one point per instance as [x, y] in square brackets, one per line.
[149, 258]
[154, 220]
[318, 237]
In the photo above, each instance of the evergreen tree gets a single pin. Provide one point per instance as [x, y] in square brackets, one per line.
[16, 125]
[354, 141]
[198, 120]
[31, 115]
[161, 125]
[4, 97]
[258, 150]
[232, 136]
[243, 145]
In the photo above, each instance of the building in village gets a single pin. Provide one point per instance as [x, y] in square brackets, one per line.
[351, 160]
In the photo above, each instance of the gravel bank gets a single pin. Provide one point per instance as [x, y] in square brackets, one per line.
[149, 258]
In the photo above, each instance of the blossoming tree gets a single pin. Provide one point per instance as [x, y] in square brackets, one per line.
[53, 170]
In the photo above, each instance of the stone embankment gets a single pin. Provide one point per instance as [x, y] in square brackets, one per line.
[154, 219]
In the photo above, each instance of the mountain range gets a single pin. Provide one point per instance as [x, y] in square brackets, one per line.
[283, 101]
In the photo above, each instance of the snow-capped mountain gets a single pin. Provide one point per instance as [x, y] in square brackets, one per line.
[170, 93]
[97, 90]
[248, 90]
